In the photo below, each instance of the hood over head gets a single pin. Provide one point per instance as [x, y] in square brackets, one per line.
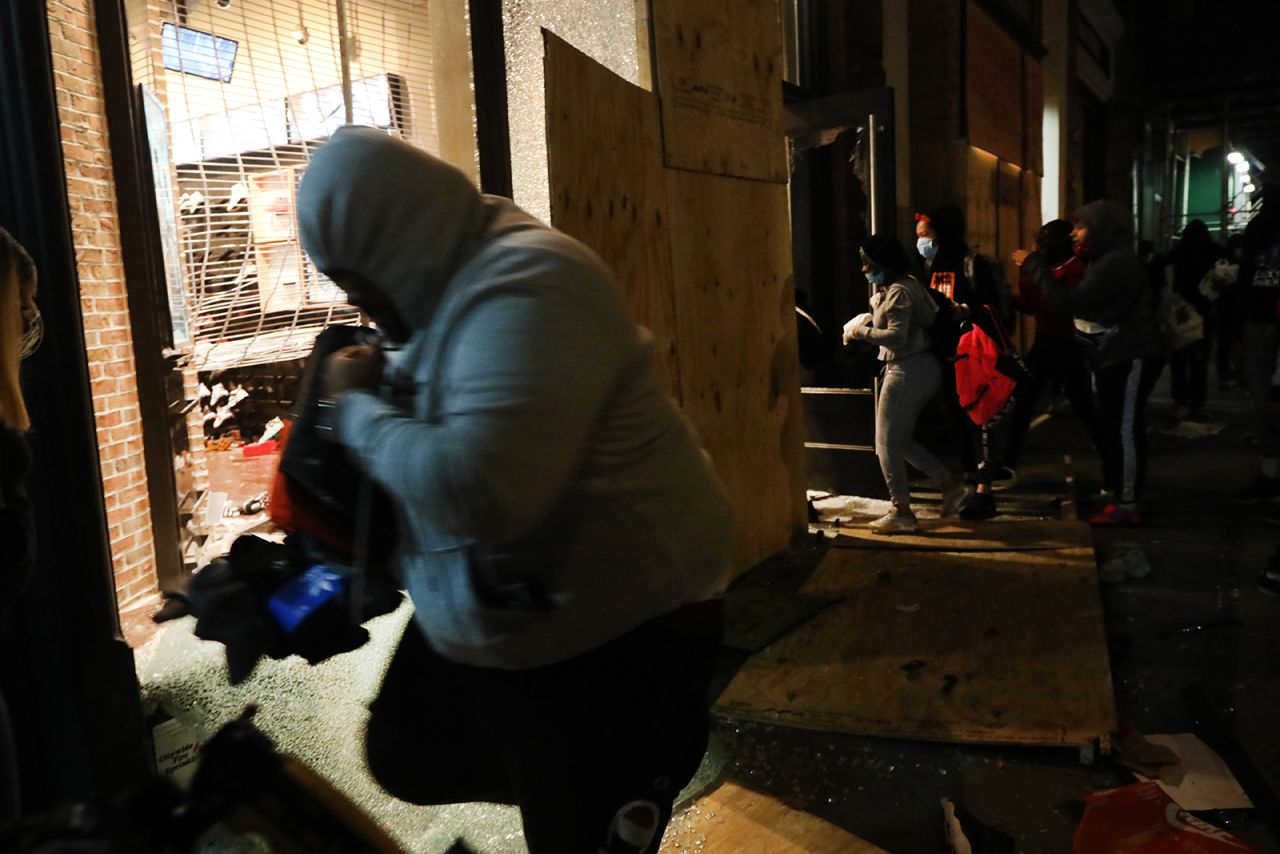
[406, 221]
[887, 253]
[1108, 224]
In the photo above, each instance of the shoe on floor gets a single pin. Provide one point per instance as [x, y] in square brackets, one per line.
[981, 506]
[1269, 583]
[1263, 489]
[1117, 514]
[955, 498]
[895, 522]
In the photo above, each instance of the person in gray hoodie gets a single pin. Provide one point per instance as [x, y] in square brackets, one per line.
[1114, 312]
[566, 540]
[901, 315]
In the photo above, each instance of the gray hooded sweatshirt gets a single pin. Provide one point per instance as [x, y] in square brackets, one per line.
[1114, 291]
[901, 314]
[553, 497]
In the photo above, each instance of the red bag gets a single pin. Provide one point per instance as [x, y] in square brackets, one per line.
[1143, 819]
[292, 509]
[983, 388]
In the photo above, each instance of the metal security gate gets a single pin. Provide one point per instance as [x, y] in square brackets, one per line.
[240, 93]
[236, 96]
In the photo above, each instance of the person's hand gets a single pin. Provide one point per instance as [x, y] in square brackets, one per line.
[1019, 255]
[853, 329]
[351, 368]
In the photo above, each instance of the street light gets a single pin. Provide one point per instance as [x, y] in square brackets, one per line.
[1249, 188]
[1243, 167]
[1235, 158]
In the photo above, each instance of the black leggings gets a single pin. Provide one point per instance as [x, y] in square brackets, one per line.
[1123, 389]
[570, 743]
[1053, 359]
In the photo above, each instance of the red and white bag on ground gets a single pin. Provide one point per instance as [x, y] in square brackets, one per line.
[1143, 819]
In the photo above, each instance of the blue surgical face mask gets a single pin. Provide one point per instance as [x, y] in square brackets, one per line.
[926, 247]
[878, 276]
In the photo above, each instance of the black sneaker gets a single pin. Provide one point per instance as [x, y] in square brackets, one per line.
[981, 506]
[1263, 489]
[1269, 583]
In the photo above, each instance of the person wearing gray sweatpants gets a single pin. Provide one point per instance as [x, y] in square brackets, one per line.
[901, 313]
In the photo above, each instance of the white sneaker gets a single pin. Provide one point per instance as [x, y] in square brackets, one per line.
[955, 498]
[895, 522]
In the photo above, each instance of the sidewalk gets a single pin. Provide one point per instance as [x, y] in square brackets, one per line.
[1197, 619]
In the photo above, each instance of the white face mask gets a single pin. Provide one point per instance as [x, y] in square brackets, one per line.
[926, 247]
[32, 335]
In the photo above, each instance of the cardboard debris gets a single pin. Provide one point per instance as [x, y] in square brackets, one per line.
[1200, 780]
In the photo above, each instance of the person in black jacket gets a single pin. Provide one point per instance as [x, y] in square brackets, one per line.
[966, 286]
[1258, 302]
[1113, 311]
[1193, 257]
[20, 333]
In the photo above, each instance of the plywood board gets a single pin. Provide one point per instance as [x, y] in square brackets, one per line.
[720, 83]
[965, 536]
[455, 103]
[1033, 113]
[993, 648]
[734, 818]
[607, 185]
[993, 87]
[1009, 204]
[739, 367]
[1031, 214]
[981, 208]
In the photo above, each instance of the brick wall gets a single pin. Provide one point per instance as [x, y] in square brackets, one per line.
[108, 338]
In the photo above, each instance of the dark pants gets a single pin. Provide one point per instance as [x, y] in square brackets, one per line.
[964, 434]
[10, 803]
[1123, 390]
[1053, 361]
[570, 743]
[1227, 323]
[1190, 369]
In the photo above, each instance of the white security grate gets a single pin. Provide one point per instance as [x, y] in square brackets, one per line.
[248, 89]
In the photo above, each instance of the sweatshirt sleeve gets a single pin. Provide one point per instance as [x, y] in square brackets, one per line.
[895, 308]
[526, 373]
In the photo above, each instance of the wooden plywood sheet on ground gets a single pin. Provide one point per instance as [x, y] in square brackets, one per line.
[993, 648]
[604, 152]
[720, 84]
[739, 367]
[964, 536]
[734, 818]
[993, 87]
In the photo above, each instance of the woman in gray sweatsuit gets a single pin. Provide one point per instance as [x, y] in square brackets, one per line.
[901, 313]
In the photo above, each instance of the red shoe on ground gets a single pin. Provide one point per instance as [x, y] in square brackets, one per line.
[1117, 514]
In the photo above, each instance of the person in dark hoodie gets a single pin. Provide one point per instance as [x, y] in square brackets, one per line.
[1194, 256]
[1258, 302]
[565, 539]
[901, 313]
[1113, 310]
[21, 331]
[967, 286]
[1053, 356]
